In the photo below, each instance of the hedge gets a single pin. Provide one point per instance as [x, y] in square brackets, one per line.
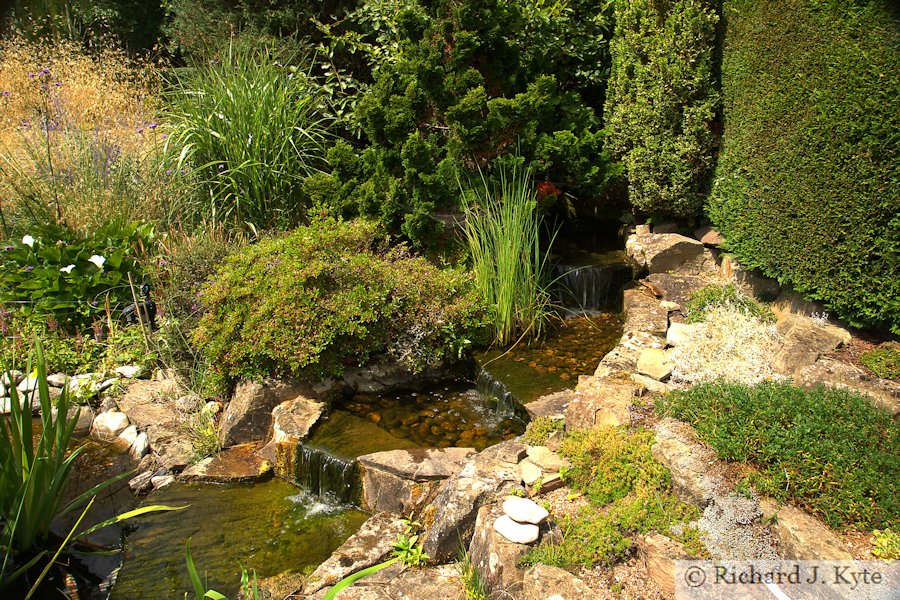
[806, 188]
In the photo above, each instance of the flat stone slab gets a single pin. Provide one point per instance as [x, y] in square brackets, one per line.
[552, 406]
[546, 459]
[660, 253]
[601, 401]
[802, 536]
[688, 461]
[655, 363]
[292, 421]
[804, 341]
[523, 510]
[679, 288]
[643, 313]
[541, 582]
[830, 372]
[238, 464]
[369, 546]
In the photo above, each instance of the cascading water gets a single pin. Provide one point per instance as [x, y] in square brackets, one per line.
[325, 475]
[589, 282]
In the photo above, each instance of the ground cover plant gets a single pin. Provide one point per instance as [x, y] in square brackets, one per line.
[628, 492]
[805, 187]
[828, 450]
[329, 295]
[884, 361]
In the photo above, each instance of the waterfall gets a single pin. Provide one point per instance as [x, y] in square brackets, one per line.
[508, 406]
[321, 473]
[593, 287]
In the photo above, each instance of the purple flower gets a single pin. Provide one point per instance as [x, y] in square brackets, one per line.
[221, 167]
[32, 75]
[7, 93]
[29, 268]
[213, 62]
[153, 125]
[163, 136]
[44, 87]
[45, 71]
[194, 307]
[57, 83]
[94, 304]
[199, 294]
[168, 171]
[8, 248]
[140, 130]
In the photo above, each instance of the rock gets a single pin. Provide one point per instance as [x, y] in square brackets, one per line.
[189, 403]
[650, 384]
[12, 378]
[509, 452]
[105, 384]
[551, 405]
[28, 384]
[665, 228]
[679, 332]
[789, 301]
[655, 363]
[249, 414]
[659, 554]
[762, 287]
[238, 464]
[830, 372]
[523, 510]
[644, 314]
[161, 481]
[141, 484]
[378, 378]
[660, 253]
[802, 536]
[600, 402]
[543, 582]
[125, 439]
[688, 461]
[555, 439]
[140, 447]
[434, 583]
[450, 517]
[670, 306]
[107, 426]
[679, 288]
[85, 416]
[131, 371]
[150, 406]
[165, 375]
[57, 380]
[369, 546]
[546, 459]
[804, 340]
[548, 483]
[292, 420]
[529, 472]
[108, 404]
[709, 236]
[404, 481]
[493, 556]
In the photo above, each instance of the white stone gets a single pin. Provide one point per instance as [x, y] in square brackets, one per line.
[529, 472]
[130, 371]
[516, 533]
[57, 379]
[28, 384]
[523, 510]
[108, 425]
[678, 333]
[125, 439]
[17, 376]
[212, 408]
[161, 481]
[140, 447]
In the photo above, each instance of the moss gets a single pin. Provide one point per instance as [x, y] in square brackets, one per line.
[540, 430]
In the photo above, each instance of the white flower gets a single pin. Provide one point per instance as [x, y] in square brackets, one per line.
[28, 241]
[68, 269]
[97, 260]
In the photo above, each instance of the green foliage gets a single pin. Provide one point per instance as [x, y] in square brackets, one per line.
[332, 294]
[541, 428]
[805, 188]
[252, 129]
[203, 434]
[662, 102]
[886, 545]
[503, 231]
[629, 493]
[826, 449]
[53, 273]
[884, 361]
[461, 93]
[722, 295]
[473, 585]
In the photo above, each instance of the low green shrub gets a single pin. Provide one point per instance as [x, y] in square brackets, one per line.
[718, 295]
[329, 295]
[69, 281]
[540, 429]
[827, 450]
[886, 545]
[884, 361]
[629, 493]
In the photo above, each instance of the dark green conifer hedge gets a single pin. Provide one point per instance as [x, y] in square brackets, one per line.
[808, 182]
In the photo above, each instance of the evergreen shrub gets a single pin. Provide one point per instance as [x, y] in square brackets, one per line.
[662, 102]
[330, 295]
[806, 185]
[467, 88]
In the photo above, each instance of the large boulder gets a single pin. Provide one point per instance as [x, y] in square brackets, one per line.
[552, 405]
[369, 546]
[804, 340]
[292, 421]
[248, 416]
[107, 426]
[660, 253]
[404, 481]
[678, 289]
[450, 518]
[541, 582]
[150, 405]
[495, 557]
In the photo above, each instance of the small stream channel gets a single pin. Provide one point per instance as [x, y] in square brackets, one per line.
[280, 526]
